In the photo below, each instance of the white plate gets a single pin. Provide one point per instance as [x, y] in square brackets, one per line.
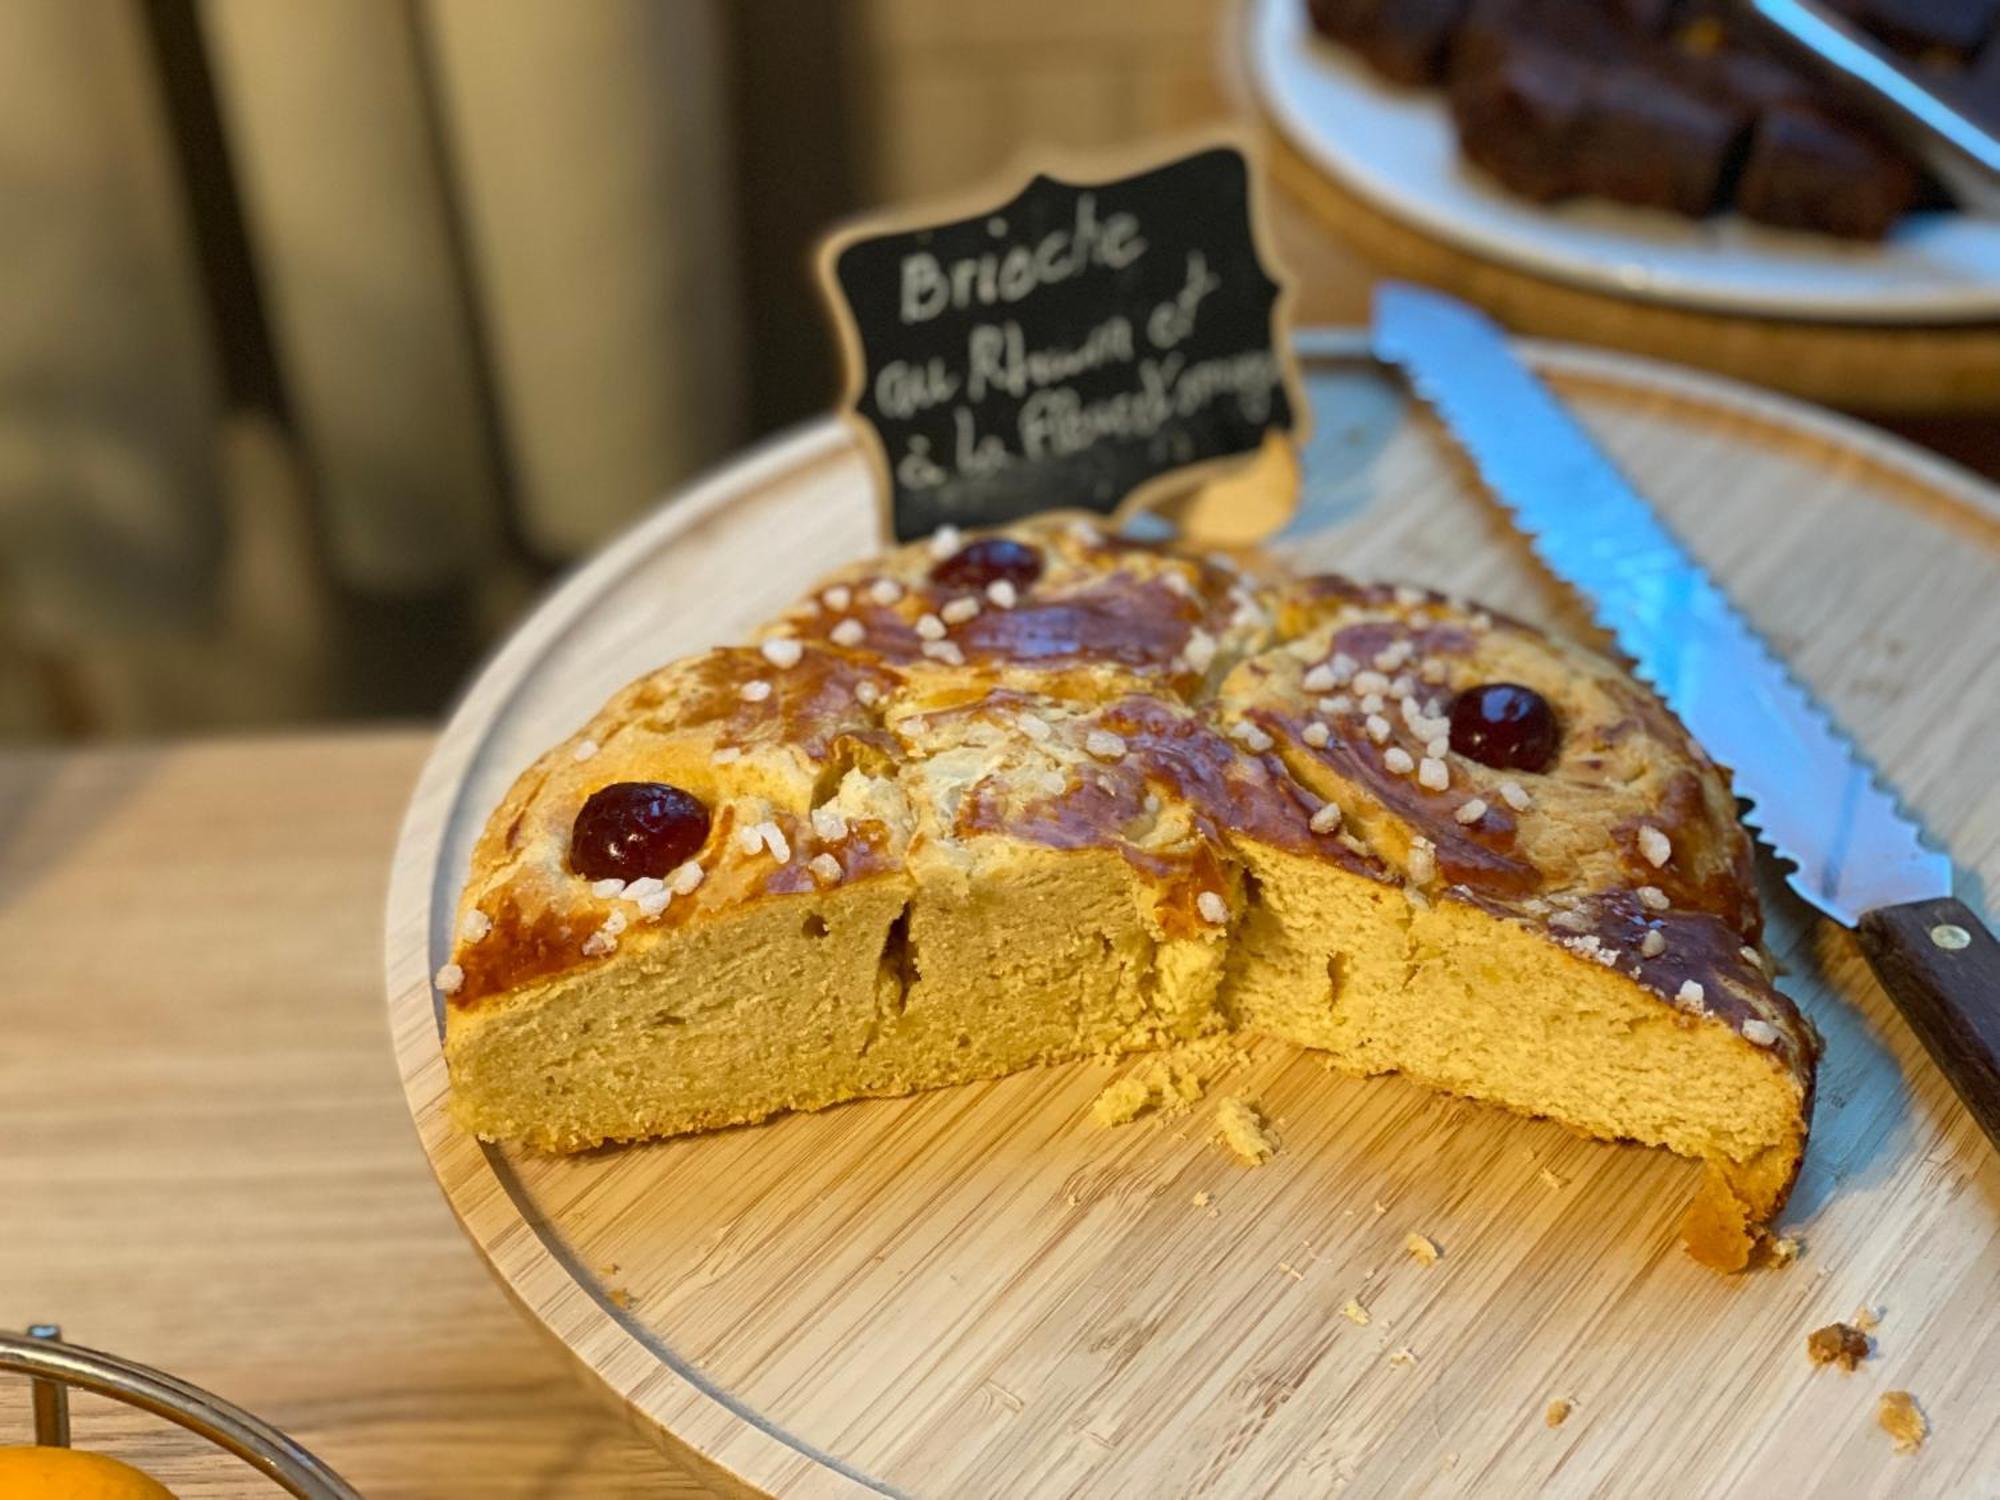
[1396, 148]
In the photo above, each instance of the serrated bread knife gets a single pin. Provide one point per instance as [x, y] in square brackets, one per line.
[1854, 855]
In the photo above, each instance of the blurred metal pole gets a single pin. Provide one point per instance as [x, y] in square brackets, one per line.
[51, 1398]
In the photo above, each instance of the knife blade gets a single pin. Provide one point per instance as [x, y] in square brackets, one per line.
[1960, 151]
[1852, 852]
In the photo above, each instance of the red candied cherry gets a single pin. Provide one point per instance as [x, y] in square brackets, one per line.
[1506, 726]
[990, 559]
[635, 828]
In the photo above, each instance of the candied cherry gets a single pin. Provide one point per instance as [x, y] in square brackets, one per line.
[634, 828]
[990, 559]
[1504, 725]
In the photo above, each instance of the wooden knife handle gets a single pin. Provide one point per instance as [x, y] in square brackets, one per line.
[1942, 968]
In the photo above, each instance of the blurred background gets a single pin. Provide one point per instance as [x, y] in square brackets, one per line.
[330, 330]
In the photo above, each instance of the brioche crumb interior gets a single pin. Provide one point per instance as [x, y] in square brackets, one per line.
[1028, 955]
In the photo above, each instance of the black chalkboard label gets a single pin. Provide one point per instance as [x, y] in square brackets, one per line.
[1064, 348]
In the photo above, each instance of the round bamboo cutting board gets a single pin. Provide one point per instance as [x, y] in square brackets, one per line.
[981, 1292]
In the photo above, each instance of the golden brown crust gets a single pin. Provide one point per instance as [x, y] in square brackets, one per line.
[1145, 776]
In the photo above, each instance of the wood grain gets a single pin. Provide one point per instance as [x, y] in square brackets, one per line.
[204, 1158]
[979, 1292]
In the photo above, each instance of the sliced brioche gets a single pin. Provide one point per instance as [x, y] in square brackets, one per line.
[1045, 794]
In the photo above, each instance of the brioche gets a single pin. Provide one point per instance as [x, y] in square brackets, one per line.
[1046, 793]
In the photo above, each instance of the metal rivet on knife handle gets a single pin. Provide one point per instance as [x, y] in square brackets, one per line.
[1942, 968]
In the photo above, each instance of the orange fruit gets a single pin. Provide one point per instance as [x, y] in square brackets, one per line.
[71, 1474]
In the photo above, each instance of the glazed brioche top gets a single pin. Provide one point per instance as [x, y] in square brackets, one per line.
[1065, 606]
[1058, 685]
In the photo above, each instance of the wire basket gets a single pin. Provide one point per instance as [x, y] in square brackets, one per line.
[53, 1367]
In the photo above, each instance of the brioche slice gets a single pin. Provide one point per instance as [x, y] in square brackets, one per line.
[589, 1010]
[1577, 939]
[1044, 794]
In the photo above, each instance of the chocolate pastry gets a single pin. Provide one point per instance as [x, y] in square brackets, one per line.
[1809, 170]
[1404, 40]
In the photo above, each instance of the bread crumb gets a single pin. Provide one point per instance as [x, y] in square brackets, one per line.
[1837, 1344]
[1558, 1412]
[1866, 1318]
[619, 1296]
[1355, 1313]
[1380, 1207]
[1782, 1251]
[1243, 1132]
[1551, 1179]
[1203, 1198]
[1423, 1249]
[1175, 1086]
[1402, 1357]
[1291, 1270]
[1898, 1416]
[1122, 1102]
[1167, 1084]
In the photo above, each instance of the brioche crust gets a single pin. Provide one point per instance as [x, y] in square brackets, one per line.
[1139, 798]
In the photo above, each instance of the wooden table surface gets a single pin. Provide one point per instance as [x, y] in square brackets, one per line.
[204, 1153]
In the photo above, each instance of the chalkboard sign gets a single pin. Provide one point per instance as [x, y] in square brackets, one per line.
[1063, 348]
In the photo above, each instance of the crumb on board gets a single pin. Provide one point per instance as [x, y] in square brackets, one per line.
[1837, 1344]
[1423, 1249]
[1291, 1270]
[1897, 1415]
[1866, 1318]
[1355, 1313]
[1242, 1130]
[1212, 1056]
[1122, 1102]
[1781, 1251]
[1402, 1357]
[1558, 1412]
[1550, 1178]
[1177, 1085]
[1203, 1198]
[619, 1296]
[1171, 1084]
[1380, 1208]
